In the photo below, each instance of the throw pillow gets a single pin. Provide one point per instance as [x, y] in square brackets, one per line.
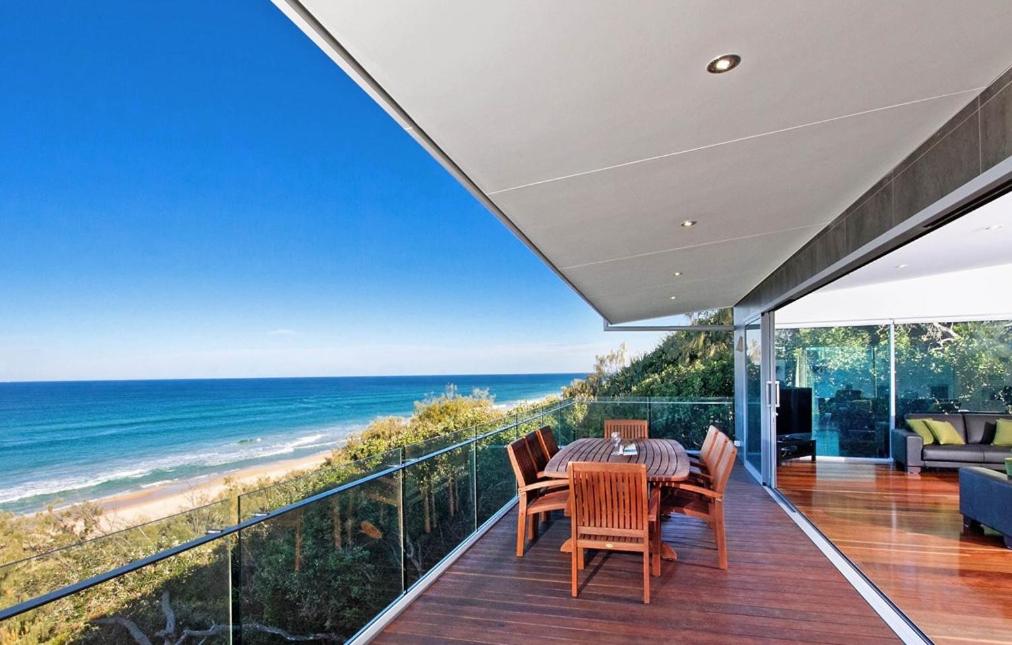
[945, 433]
[1003, 433]
[921, 428]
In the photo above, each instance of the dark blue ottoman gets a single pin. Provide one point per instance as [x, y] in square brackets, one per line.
[985, 497]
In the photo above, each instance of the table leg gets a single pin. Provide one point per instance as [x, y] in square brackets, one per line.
[567, 546]
[667, 553]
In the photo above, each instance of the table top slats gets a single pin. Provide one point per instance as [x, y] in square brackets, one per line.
[665, 459]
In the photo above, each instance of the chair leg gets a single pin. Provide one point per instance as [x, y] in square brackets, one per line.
[656, 549]
[521, 527]
[535, 526]
[573, 566]
[580, 562]
[646, 576]
[718, 533]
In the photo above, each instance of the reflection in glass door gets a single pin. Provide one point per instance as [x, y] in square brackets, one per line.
[753, 396]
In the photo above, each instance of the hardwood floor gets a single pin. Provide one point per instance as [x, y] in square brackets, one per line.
[904, 532]
[778, 588]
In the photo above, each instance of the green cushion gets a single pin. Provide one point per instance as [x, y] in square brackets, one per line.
[1003, 435]
[945, 433]
[921, 428]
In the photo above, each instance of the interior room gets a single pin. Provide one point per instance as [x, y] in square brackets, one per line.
[923, 332]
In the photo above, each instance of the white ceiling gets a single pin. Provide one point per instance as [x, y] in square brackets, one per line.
[957, 272]
[594, 127]
[982, 238]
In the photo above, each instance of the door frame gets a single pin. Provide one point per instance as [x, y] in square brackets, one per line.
[769, 397]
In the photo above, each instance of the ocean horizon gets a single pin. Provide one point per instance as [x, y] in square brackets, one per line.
[63, 442]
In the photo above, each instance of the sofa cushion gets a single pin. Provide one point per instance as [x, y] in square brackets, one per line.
[955, 419]
[945, 433]
[981, 426]
[921, 428]
[1003, 433]
[996, 454]
[969, 453]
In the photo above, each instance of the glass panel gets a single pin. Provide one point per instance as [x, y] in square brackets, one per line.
[40, 574]
[688, 421]
[326, 568]
[592, 423]
[944, 367]
[438, 509]
[496, 483]
[319, 480]
[189, 591]
[753, 396]
[835, 386]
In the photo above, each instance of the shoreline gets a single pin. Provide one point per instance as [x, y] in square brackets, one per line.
[142, 505]
[162, 499]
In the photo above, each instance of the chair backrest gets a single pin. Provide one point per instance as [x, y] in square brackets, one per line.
[628, 429]
[608, 499]
[721, 462]
[709, 442]
[525, 468]
[537, 453]
[547, 440]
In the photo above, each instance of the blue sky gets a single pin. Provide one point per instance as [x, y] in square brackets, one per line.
[194, 189]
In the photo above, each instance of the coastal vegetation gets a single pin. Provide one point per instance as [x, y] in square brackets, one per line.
[282, 562]
[324, 569]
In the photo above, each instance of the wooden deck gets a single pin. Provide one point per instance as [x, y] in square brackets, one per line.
[904, 532]
[778, 588]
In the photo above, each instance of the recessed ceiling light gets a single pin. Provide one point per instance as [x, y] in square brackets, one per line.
[674, 297]
[902, 266]
[724, 63]
[677, 273]
[688, 223]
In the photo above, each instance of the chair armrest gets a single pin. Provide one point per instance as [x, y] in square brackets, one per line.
[906, 447]
[544, 484]
[696, 472]
[699, 490]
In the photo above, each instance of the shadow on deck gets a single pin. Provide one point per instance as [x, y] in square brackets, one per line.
[779, 587]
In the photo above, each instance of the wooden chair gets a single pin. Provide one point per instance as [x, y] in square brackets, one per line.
[536, 452]
[710, 451]
[628, 429]
[538, 497]
[547, 440]
[695, 456]
[704, 498]
[612, 511]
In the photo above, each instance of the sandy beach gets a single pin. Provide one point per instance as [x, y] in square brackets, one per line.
[153, 502]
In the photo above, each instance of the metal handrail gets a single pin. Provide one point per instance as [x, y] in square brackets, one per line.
[84, 585]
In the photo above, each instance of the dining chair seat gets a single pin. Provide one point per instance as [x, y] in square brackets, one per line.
[556, 501]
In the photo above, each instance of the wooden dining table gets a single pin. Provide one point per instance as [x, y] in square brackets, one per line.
[666, 461]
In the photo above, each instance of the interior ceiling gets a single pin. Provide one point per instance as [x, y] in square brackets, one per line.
[981, 238]
[956, 272]
[593, 126]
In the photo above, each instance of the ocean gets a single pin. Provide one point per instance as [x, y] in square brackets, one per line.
[65, 442]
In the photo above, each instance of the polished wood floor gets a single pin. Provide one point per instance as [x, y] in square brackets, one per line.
[904, 532]
[778, 588]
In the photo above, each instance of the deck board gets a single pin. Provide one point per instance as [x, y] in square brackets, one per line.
[779, 588]
[905, 534]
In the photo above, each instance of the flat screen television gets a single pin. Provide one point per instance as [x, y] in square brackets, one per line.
[794, 416]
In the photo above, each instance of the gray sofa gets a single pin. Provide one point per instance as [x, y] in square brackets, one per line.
[976, 428]
[985, 497]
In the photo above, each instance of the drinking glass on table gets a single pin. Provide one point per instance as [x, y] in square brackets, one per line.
[616, 442]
